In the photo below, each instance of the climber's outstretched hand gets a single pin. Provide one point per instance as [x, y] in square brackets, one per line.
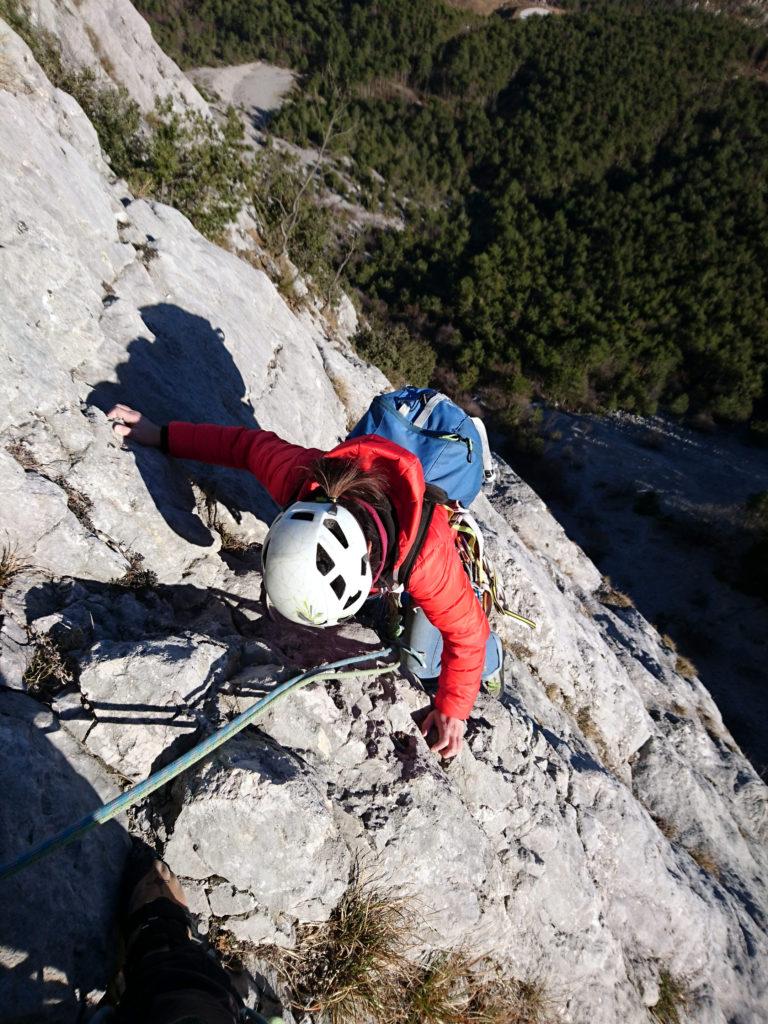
[450, 733]
[131, 425]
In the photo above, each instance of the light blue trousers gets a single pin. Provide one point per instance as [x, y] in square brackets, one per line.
[422, 637]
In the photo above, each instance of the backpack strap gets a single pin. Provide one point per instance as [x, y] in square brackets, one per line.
[488, 470]
[429, 406]
[433, 496]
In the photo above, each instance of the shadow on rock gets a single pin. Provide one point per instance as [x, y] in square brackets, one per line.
[183, 371]
[56, 926]
[79, 613]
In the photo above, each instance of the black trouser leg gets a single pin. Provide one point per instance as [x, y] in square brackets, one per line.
[169, 977]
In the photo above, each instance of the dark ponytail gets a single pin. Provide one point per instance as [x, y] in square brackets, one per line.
[344, 482]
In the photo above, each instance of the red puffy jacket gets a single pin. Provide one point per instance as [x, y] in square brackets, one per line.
[438, 582]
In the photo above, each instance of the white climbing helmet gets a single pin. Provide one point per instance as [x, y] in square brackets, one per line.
[315, 563]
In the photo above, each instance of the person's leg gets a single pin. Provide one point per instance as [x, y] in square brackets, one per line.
[168, 975]
[422, 644]
[494, 656]
[426, 641]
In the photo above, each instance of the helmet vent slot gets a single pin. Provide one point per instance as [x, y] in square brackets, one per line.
[337, 586]
[323, 561]
[306, 516]
[336, 531]
[351, 600]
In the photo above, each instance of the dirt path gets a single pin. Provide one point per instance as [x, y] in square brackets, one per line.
[258, 88]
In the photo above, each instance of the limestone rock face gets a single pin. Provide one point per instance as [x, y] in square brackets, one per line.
[247, 814]
[111, 38]
[599, 829]
[56, 927]
[147, 698]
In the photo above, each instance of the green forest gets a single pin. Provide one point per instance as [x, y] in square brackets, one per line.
[584, 196]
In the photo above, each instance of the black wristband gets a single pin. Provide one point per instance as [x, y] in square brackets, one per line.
[164, 439]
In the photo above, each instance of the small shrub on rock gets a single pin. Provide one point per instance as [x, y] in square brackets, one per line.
[136, 576]
[674, 1000]
[50, 668]
[685, 667]
[79, 504]
[399, 355]
[291, 220]
[19, 451]
[613, 598]
[351, 967]
[11, 564]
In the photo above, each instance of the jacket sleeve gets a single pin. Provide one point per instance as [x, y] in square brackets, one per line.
[441, 587]
[278, 465]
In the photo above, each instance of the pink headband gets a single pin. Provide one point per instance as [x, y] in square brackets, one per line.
[382, 534]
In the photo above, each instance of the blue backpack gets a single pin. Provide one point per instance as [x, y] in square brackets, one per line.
[451, 446]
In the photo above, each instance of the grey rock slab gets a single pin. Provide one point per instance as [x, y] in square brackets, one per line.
[48, 536]
[55, 929]
[143, 696]
[355, 382]
[259, 928]
[226, 901]
[111, 38]
[255, 817]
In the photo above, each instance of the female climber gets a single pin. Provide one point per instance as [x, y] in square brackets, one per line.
[350, 517]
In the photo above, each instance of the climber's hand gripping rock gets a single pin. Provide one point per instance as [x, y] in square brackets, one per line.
[450, 733]
[132, 426]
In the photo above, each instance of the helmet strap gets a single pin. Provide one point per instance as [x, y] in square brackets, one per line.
[382, 535]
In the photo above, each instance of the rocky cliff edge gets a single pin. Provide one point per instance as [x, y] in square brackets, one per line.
[599, 830]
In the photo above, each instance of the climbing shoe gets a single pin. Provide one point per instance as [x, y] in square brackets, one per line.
[493, 684]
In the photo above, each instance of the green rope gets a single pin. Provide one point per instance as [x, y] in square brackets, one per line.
[132, 796]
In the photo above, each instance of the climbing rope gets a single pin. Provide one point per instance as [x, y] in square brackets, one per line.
[136, 793]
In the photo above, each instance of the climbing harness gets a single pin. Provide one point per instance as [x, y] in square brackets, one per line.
[136, 793]
[478, 566]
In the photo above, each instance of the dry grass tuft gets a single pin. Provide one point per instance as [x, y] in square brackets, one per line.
[685, 667]
[136, 576]
[79, 504]
[705, 861]
[440, 990]
[553, 693]
[586, 724]
[231, 544]
[351, 968]
[613, 598]
[357, 968]
[455, 988]
[667, 829]
[19, 451]
[11, 564]
[669, 643]
[674, 998]
[50, 668]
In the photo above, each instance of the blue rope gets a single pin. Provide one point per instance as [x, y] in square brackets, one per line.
[132, 796]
